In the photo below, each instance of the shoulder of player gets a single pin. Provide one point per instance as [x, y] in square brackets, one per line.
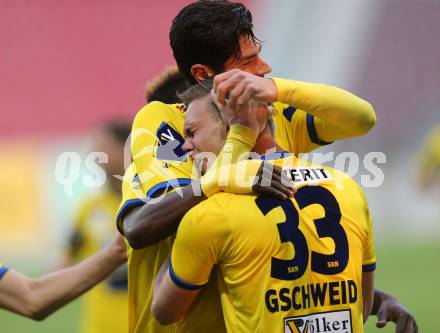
[210, 213]
[344, 181]
[155, 110]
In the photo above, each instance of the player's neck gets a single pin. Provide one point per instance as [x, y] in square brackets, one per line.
[266, 143]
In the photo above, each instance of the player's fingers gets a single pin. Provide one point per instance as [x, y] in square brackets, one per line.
[224, 88]
[273, 192]
[235, 93]
[248, 93]
[381, 318]
[402, 325]
[411, 326]
[281, 177]
[274, 180]
[381, 323]
[281, 188]
[219, 78]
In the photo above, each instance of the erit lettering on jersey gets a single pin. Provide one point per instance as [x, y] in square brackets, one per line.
[309, 175]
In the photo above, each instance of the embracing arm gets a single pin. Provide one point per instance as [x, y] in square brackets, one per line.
[340, 114]
[38, 298]
[170, 302]
[148, 224]
[159, 218]
[367, 292]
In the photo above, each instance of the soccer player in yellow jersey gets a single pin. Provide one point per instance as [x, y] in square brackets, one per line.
[207, 38]
[37, 298]
[94, 228]
[291, 265]
[429, 159]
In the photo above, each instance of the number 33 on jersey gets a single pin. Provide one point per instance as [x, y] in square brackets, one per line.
[284, 265]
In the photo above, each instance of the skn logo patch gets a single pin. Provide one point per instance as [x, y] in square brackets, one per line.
[328, 322]
[170, 144]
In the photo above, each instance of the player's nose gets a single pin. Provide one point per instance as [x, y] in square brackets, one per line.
[263, 68]
[188, 146]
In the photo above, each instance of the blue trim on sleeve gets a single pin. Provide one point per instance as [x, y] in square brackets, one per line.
[310, 121]
[180, 283]
[369, 268]
[3, 271]
[275, 156]
[128, 204]
[289, 112]
[174, 183]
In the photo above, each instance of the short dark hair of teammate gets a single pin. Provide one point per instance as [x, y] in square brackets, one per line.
[166, 86]
[120, 130]
[198, 38]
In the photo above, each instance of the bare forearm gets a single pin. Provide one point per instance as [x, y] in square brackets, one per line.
[54, 290]
[150, 223]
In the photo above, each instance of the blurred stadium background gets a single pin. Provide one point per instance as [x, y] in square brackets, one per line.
[66, 66]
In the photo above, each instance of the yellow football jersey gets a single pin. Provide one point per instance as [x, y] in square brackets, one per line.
[159, 166]
[290, 265]
[3, 270]
[429, 156]
[94, 229]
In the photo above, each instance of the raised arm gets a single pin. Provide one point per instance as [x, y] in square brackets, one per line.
[338, 113]
[38, 298]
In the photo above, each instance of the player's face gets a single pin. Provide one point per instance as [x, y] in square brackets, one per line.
[204, 131]
[249, 60]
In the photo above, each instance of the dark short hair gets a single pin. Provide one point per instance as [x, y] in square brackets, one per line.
[165, 87]
[208, 32]
[198, 90]
[120, 130]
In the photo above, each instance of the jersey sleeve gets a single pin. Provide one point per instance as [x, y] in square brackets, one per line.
[369, 259]
[3, 270]
[330, 113]
[132, 194]
[295, 129]
[197, 247]
[156, 147]
[159, 162]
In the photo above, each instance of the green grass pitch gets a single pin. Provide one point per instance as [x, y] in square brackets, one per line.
[410, 271]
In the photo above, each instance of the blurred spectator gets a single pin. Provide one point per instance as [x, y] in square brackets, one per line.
[429, 159]
[94, 228]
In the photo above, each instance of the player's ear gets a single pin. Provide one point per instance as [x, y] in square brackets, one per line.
[201, 72]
